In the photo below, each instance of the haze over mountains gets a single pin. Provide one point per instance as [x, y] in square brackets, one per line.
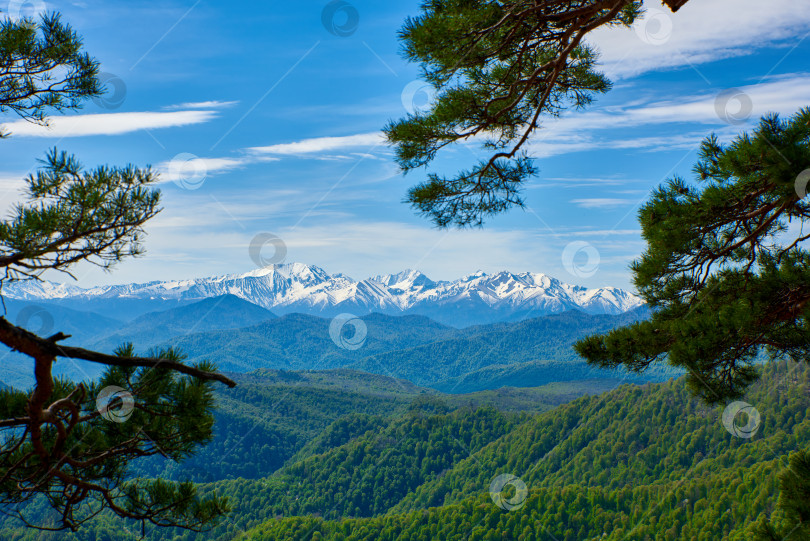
[289, 288]
[475, 333]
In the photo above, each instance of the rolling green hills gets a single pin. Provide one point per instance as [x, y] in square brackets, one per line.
[302, 342]
[528, 353]
[271, 415]
[240, 337]
[635, 463]
[401, 462]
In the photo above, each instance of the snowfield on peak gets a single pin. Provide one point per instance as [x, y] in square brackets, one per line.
[297, 287]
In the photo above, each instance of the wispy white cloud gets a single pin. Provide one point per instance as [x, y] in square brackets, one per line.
[590, 130]
[185, 167]
[784, 95]
[212, 104]
[322, 144]
[579, 182]
[582, 131]
[563, 144]
[602, 233]
[106, 123]
[700, 32]
[602, 202]
[577, 132]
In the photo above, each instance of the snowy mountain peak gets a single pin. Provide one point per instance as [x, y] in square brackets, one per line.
[298, 287]
[287, 270]
[477, 274]
[406, 278]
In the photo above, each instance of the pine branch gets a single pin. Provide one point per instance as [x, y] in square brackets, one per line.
[32, 345]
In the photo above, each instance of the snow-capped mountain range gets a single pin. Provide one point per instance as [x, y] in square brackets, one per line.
[296, 287]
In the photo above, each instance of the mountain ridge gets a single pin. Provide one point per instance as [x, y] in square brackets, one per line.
[297, 287]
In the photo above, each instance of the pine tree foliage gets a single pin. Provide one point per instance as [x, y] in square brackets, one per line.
[792, 519]
[498, 69]
[726, 270]
[77, 458]
[43, 68]
[73, 215]
[61, 442]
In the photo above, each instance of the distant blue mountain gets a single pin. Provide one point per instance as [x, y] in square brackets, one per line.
[211, 314]
[539, 320]
[522, 354]
[45, 319]
[92, 330]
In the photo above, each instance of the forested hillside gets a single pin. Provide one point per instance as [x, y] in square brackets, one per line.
[392, 461]
[636, 463]
[243, 337]
[422, 351]
[273, 415]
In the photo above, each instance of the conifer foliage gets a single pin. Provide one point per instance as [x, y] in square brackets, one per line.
[726, 270]
[64, 443]
[498, 69]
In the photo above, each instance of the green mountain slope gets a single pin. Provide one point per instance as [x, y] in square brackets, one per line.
[303, 342]
[277, 417]
[272, 416]
[521, 374]
[268, 417]
[636, 463]
[420, 350]
[702, 509]
[215, 313]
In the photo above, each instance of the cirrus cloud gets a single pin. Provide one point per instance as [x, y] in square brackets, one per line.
[700, 32]
[323, 144]
[106, 123]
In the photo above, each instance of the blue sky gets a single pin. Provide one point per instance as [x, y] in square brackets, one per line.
[262, 120]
